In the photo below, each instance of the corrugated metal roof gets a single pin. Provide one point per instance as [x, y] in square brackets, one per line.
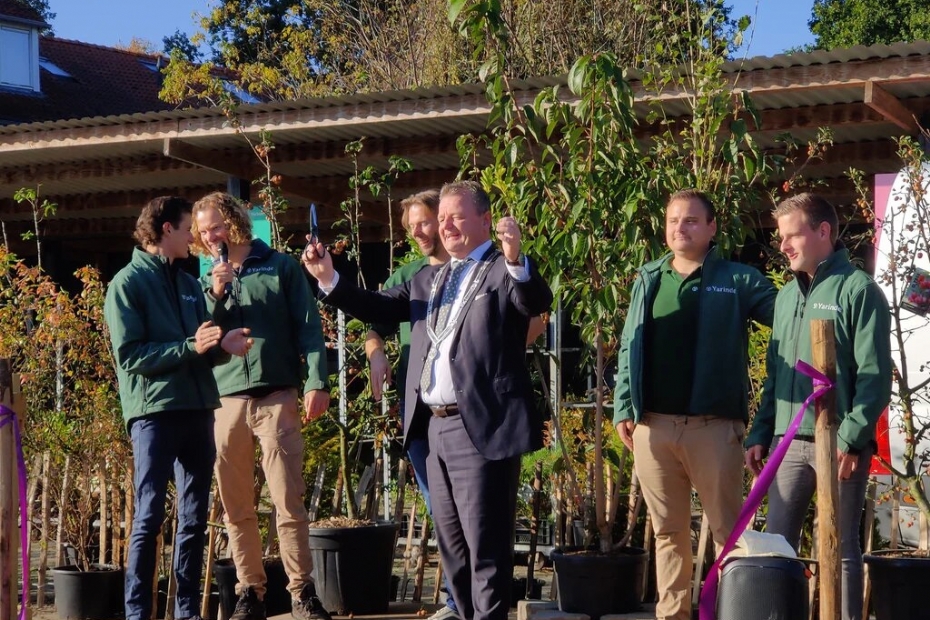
[759, 63]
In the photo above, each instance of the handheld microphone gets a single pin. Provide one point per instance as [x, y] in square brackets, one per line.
[224, 258]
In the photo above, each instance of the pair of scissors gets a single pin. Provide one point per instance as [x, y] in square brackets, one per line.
[314, 231]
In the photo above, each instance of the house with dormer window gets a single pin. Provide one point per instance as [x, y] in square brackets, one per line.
[44, 78]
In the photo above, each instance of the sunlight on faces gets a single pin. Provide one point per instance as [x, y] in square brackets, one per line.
[175, 242]
[423, 227]
[804, 247]
[212, 229]
[461, 227]
[687, 231]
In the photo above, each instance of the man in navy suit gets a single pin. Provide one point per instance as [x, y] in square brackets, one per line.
[468, 387]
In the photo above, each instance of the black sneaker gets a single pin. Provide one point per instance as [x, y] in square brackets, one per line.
[308, 606]
[248, 607]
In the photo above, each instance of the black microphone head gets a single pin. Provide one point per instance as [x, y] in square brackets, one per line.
[224, 252]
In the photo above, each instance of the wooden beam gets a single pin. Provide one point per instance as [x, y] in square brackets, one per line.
[231, 166]
[203, 158]
[890, 107]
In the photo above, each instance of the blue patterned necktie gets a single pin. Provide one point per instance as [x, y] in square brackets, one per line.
[445, 307]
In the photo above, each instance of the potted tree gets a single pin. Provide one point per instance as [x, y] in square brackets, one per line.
[903, 271]
[353, 554]
[591, 185]
[59, 343]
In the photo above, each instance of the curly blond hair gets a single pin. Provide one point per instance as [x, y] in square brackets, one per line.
[235, 213]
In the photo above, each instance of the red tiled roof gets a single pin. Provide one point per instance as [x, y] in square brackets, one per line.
[103, 81]
[15, 8]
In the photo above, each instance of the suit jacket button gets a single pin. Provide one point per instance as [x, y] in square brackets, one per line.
[451, 359]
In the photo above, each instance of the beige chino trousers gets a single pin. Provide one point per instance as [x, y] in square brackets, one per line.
[274, 421]
[672, 454]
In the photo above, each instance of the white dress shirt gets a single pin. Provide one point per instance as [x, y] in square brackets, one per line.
[442, 390]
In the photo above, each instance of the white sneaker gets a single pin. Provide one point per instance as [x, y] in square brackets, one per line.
[444, 613]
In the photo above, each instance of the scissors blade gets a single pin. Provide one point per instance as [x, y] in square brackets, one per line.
[314, 223]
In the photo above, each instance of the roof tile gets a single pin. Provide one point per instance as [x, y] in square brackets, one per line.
[103, 81]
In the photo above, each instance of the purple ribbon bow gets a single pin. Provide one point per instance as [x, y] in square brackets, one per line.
[708, 600]
[8, 416]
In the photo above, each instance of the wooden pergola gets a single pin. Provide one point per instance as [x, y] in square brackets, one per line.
[101, 170]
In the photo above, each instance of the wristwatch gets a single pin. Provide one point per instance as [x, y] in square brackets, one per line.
[516, 263]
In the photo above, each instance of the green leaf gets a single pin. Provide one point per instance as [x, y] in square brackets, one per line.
[577, 75]
[455, 8]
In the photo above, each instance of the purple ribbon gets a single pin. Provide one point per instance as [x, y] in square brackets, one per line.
[8, 416]
[708, 600]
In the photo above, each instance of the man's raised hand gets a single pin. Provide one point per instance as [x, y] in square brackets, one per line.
[318, 262]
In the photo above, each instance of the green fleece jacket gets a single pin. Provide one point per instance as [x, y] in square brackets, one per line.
[862, 329]
[270, 296]
[153, 310]
[731, 295]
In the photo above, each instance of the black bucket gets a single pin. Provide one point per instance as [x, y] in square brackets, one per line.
[352, 567]
[898, 586]
[277, 598]
[598, 585]
[95, 594]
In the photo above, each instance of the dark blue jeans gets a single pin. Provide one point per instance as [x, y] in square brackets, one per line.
[418, 451]
[182, 442]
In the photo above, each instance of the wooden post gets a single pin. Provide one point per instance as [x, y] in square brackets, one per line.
[211, 553]
[46, 533]
[534, 530]
[868, 543]
[823, 352]
[9, 536]
[9, 497]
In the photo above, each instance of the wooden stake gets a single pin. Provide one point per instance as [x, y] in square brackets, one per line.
[172, 577]
[211, 552]
[698, 560]
[317, 491]
[43, 542]
[9, 536]
[408, 549]
[823, 350]
[102, 537]
[159, 547]
[62, 503]
[116, 514]
[869, 536]
[421, 566]
[130, 506]
[534, 530]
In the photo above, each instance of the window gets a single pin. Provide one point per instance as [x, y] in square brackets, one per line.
[240, 94]
[18, 57]
[52, 68]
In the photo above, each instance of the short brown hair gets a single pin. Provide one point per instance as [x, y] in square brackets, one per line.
[698, 196]
[816, 210]
[154, 214]
[428, 199]
[235, 213]
[471, 189]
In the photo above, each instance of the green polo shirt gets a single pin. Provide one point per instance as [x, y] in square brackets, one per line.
[670, 339]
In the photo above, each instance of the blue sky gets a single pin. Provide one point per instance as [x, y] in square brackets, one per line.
[779, 24]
